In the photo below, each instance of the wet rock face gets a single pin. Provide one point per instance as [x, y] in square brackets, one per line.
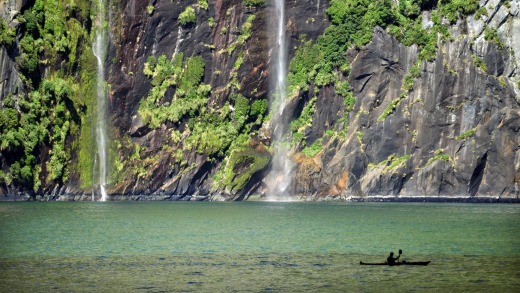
[9, 80]
[454, 134]
[139, 34]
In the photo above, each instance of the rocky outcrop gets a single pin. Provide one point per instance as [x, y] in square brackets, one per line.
[454, 134]
[451, 130]
[9, 80]
[141, 33]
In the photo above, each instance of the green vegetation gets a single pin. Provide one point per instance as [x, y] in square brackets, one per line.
[479, 63]
[214, 132]
[482, 11]
[396, 162]
[43, 125]
[7, 34]
[359, 136]
[46, 132]
[190, 95]
[303, 66]
[299, 125]
[391, 163]
[150, 9]
[254, 3]
[491, 35]
[242, 165]
[321, 62]
[314, 149]
[245, 31]
[409, 79]
[211, 22]
[85, 146]
[188, 16]
[47, 120]
[223, 30]
[352, 22]
[454, 9]
[409, 31]
[389, 109]
[343, 89]
[245, 34]
[466, 134]
[203, 4]
[439, 155]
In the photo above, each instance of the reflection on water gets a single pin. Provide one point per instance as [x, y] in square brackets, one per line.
[257, 273]
[174, 247]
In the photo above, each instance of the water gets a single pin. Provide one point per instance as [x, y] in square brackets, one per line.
[279, 179]
[256, 246]
[179, 41]
[99, 49]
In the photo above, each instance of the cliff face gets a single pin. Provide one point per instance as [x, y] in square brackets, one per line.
[188, 128]
[9, 80]
[221, 43]
[455, 133]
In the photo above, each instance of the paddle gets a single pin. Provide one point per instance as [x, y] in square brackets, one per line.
[400, 252]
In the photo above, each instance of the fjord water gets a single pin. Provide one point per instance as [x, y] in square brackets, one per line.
[257, 246]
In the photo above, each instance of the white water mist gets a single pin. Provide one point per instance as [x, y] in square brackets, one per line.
[279, 179]
[99, 49]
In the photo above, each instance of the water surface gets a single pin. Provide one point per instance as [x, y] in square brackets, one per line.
[257, 246]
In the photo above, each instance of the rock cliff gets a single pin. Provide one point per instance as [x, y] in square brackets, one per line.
[452, 134]
[188, 91]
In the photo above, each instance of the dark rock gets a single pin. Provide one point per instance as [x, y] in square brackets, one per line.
[451, 97]
[454, 134]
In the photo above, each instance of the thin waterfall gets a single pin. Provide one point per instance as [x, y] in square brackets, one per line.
[99, 49]
[179, 41]
[279, 179]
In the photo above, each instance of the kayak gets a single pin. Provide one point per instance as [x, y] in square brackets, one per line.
[408, 263]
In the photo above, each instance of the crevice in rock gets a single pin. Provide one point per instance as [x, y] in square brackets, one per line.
[400, 183]
[366, 78]
[476, 177]
[199, 177]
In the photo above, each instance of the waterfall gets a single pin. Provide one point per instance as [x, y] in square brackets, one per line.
[279, 179]
[99, 49]
[179, 41]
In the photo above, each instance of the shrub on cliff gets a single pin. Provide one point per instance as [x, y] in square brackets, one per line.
[254, 3]
[188, 16]
[7, 34]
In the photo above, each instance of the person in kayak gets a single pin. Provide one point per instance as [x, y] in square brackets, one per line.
[390, 260]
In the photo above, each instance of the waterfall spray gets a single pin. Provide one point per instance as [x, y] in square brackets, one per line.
[279, 179]
[99, 49]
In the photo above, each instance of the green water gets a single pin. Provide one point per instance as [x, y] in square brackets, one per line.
[256, 247]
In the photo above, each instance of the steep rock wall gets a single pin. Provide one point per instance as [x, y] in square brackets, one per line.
[455, 133]
[139, 34]
[9, 80]
[420, 147]
[452, 130]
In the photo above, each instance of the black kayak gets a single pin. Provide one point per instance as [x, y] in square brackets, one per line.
[401, 263]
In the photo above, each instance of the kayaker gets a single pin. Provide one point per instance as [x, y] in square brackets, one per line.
[390, 260]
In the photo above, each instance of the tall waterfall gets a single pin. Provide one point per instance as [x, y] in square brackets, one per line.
[279, 179]
[99, 49]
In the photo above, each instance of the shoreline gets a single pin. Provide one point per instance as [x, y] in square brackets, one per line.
[371, 198]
